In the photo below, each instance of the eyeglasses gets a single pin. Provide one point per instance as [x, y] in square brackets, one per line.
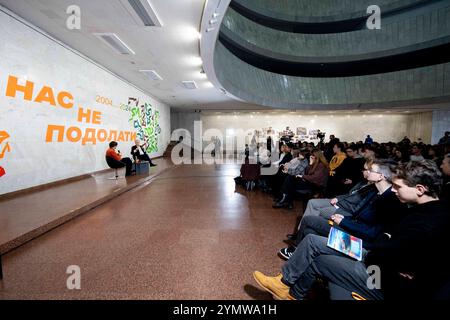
[371, 171]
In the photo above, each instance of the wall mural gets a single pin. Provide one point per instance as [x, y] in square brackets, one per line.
[3, 149]
[146, 122]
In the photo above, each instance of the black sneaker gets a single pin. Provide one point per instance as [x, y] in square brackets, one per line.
[292, 236]
[286, 253]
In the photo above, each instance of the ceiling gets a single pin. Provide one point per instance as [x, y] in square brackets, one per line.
[172, 50]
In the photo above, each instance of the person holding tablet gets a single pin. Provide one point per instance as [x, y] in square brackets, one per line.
[404, 256]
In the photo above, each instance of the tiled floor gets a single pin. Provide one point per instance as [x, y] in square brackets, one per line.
[25, 216]
[190, 234]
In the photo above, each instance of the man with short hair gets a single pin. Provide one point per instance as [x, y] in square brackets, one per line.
[368, 140]
[275, 181]
[348, 173]
[336, 161]
[366, 222]
[445, 139]
[345, 204]
[416, 154]
[403, 255]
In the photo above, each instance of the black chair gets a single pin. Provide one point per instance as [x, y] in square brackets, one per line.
[114, 164]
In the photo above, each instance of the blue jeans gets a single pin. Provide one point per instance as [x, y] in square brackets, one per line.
[313, 258]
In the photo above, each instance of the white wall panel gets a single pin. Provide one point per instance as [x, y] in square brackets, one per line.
[27, 159]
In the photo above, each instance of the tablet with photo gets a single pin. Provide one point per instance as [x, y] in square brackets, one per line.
[345, 243]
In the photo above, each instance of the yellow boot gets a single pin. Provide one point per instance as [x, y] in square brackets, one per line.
[273, 285]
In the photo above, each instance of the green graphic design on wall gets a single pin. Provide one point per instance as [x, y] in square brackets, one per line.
[146, 122]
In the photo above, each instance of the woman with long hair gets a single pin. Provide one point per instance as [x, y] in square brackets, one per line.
[314, 179]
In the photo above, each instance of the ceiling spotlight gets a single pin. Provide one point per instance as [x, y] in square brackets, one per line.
[210, 29]
[212, 21]
[190, 33]
[194, 61]
[215, 15]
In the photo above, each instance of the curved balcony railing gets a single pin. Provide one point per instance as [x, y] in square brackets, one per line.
[425, 26]
[403, 88]
[418, 84]
[328, 16]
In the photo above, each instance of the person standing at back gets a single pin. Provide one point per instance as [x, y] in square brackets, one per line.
[368, 140]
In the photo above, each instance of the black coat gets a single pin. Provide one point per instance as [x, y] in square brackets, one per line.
[419, 247]
[135, 152]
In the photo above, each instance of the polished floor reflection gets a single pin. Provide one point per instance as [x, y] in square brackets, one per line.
[190, 234]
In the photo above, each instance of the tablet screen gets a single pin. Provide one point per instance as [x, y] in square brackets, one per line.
[345, 243]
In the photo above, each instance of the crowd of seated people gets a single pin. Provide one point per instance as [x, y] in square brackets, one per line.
[403, 227]
[392, 196]
[343, 161]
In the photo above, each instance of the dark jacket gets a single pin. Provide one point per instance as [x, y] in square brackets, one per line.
[379, 213]
[445, 193]
[287, 158]
[350, 169]
[135, 151]
[357, 198]
[417, 246]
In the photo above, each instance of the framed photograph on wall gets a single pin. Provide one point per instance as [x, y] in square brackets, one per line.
[301, 131]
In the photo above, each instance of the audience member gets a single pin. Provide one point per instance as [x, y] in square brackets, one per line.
[371, 217]
[296, 167]
[336, 161]
[445, 139]
[445, 166]
[347, 174]
[403, 255]
[416, 153]
[368, 140]
[345, 205]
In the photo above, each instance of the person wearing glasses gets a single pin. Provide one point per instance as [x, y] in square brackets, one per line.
[365, 223]
[345, 204]
[410, 254]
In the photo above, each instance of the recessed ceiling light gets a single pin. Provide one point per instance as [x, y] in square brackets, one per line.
[189, 84]
[151, 74]
[194, 61]
[190, 33]
[201, 75]
[142, 12]
[115, 43]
